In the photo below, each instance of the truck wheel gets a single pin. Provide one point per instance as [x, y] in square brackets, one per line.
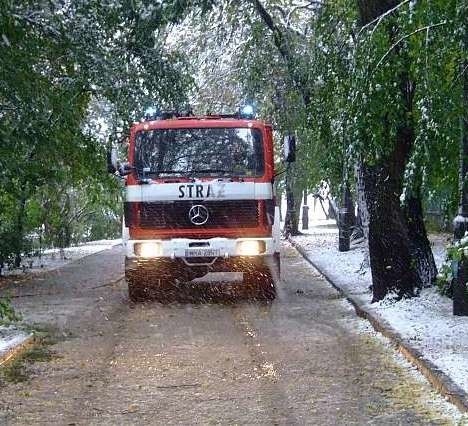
[158, 290]
[190, 274]
[136, 290]
[260, 284]
[158, 282]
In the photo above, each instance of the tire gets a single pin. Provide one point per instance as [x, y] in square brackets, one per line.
[142, 290]
[154, 283]
[190, 274]
[259, 283]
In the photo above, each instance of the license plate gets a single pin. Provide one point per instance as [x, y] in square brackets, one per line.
[202, 252]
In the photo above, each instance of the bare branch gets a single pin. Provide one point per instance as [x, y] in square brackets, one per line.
[380, 18]
[280, 10]
[404, 38]
[268, 21]
[297, 7]
[459, 76]
[31, 19]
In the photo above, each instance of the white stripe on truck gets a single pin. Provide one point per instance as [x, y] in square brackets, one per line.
[205, 191]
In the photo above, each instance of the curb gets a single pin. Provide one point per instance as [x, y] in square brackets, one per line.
[436, 377]
[14, 352]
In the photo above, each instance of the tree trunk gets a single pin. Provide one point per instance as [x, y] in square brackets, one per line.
[348, 204]
[363, 213]
[67, 235]
[393, 269]
[291, 221]
[19, 230]
[459, 287]
[391, 249]
[279, 201]
[420, 245]
[305, 212]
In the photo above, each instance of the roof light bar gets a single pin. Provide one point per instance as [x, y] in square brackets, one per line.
[247, 111]
[153, 113]
[150, 113]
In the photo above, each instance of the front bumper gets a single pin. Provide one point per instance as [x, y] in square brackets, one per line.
[176, 247]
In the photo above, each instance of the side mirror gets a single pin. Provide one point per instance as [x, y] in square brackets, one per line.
[289, 149]
[112, 160]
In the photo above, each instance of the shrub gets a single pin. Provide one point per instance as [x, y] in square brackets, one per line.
[7, 313]
[456, 252]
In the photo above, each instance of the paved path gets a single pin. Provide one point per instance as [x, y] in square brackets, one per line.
[304, 359]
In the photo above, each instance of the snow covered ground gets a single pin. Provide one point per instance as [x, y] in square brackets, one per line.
[10, 337]
[426, 322]
[363, 327]
[55, 258]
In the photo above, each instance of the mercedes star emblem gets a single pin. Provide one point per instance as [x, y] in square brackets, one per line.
[198, 214]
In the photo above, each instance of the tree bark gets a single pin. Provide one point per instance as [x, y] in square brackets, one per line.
[391, 260]
[348, 204]
[460, 290]
[363, 213]
[420, 246]
[305, 212]
[20, 230]
[391, 249]
[291, 221]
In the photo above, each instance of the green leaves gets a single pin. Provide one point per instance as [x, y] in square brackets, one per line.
[70, 68]
[59, 61]
[7, 313]
[456, 253]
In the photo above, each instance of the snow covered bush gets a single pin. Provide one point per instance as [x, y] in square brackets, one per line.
[7, 313]
[456, 252]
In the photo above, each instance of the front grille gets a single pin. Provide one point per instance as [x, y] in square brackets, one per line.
[175, 214]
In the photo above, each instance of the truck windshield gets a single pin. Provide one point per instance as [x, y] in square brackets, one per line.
[200, 151]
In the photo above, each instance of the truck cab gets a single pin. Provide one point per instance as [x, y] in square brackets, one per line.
[199, 198]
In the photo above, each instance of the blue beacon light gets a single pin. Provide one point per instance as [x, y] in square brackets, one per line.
[247, 111]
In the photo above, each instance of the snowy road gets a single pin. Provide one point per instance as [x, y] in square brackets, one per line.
[304, 359]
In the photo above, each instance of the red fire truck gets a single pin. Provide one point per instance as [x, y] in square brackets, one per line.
[199, 198]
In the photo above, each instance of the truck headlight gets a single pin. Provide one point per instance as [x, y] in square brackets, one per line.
[147, 249]
[250, 247]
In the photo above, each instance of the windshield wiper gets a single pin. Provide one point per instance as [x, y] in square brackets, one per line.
[157, 172]
[225, 172]
[188, 173]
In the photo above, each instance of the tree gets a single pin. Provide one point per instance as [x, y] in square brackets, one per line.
[58, 61]
[366, 96]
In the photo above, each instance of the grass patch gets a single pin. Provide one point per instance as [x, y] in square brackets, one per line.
[19, 369]
[14, 372]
